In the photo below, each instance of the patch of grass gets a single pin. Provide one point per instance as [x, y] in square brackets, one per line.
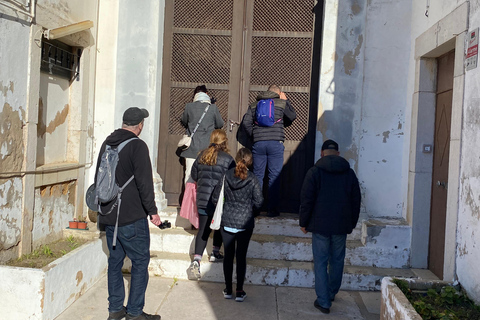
[447, 303]
[47, 253]
[174, 283]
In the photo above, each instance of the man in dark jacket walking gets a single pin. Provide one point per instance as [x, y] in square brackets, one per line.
[329, 208]
[133, 235]
[268, 145]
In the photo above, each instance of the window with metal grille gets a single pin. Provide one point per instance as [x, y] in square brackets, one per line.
[59, 59]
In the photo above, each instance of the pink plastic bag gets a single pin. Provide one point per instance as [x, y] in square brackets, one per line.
[188, 209]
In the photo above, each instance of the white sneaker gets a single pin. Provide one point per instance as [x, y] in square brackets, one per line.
[195, 268]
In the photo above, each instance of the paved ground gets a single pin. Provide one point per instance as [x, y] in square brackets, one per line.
[178, 300]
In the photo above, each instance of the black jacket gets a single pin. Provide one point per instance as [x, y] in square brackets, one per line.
[240, 198]
[283, 111]
[207, 177]
[330, 197]
[138, 198]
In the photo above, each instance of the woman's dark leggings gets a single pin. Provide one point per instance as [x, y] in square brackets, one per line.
[203, 234]
[243, 239]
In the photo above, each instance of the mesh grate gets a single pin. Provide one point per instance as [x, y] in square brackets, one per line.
[207, 14]
[201, 59]
[179, 97]
[298, 130]
[282, 61]
[283, 15]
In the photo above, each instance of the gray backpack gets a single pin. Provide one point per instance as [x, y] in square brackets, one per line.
[106, 188]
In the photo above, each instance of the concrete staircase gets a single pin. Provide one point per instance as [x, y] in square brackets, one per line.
[280, 254]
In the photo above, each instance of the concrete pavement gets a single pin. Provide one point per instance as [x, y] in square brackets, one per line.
[183, 299]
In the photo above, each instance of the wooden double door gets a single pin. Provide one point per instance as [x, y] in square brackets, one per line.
[237, 48]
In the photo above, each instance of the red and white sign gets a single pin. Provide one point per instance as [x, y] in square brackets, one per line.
[472, 51]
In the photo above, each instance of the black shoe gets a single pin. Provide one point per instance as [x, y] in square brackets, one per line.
[227, 294]
[273, 213]
[241, 295]
[322, 309]
[144, 316]
[117, 315]
[216, 257]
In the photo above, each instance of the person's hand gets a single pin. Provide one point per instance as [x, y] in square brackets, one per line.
[283, 96]
[303, 230]
[156, 219]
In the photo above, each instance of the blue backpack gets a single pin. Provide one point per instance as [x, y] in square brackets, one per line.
[265, 113]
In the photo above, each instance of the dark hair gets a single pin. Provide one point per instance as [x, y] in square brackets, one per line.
[198, 89]
[244, 161]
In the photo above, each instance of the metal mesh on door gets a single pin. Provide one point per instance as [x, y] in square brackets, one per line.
[281, 61]
[283, 15]
[201, 58]
[205, 14]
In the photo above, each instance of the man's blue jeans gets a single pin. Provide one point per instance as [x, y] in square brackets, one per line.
[269, 153]
[328, 252]
[133, 240]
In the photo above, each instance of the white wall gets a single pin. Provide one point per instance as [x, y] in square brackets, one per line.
[467, 237]
[362, 95]
[382, 133]
[468, 226]
[20, 43]
[129, 69]
[14, 54]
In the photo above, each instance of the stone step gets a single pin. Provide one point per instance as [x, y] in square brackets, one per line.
[279, 247]
[286, 224]
[270, 272]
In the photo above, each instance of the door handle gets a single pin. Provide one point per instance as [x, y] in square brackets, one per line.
[233, 123]
[442, 184]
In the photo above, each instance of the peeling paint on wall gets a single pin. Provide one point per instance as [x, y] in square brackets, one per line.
[5, 89]
[59, 119]
[11, 149]
[54, 207]
[350, 58]
[10, 215]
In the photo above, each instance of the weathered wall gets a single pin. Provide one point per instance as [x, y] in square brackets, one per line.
[362, 95]
[468, 235]
[52, 128]
[61, 110]
[383, 108]
[129, 72]
[14, 46]
[54, 207]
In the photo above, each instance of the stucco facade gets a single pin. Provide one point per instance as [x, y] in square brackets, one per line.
[376, 98]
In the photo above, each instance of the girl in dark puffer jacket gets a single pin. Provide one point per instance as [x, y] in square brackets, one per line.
[207, 171]
[242, 192]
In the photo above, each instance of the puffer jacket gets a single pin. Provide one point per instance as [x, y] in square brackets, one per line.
[283, 112]
[240, 198]
[330, 197]
[207, 177]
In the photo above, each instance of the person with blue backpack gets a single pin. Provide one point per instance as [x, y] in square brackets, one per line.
[124, 163]
[265, 122]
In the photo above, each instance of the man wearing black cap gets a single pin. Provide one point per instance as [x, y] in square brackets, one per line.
[329, 208]
[133, 235]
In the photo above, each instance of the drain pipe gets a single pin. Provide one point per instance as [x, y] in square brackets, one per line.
[18, 7]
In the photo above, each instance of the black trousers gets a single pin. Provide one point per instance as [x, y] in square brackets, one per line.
[203, 234]
[241, 239]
